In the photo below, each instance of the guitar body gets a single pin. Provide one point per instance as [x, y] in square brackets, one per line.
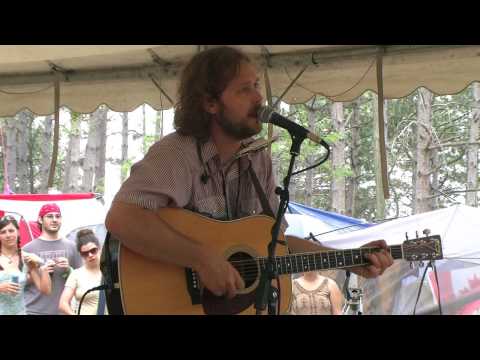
[141, 286]
[153, 287]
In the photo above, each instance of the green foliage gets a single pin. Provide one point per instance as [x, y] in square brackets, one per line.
[100, 187]
[125, 168]
[450, 116]
[148, 141]
[343, 172]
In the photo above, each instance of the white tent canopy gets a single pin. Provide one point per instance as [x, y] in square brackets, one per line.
[126, 76]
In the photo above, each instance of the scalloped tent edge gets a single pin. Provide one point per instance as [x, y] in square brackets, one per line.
[121, 76]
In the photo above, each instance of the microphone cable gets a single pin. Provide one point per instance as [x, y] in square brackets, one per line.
[325, 158]
[432, 265]
[97, 288]
[438, 286]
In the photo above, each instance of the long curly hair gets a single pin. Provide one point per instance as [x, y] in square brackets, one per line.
[4, 221]
[205, 77]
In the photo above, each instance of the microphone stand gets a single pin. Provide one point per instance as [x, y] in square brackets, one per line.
[266, 293]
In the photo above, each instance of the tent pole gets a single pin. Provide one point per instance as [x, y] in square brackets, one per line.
[290, 86]
[381, 122]
[161, 90]
[56, 133]
[268, 90]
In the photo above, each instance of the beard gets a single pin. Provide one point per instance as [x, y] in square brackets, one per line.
[51, 230]
[238, 131]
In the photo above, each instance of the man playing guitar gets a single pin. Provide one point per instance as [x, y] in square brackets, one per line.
[198, 168]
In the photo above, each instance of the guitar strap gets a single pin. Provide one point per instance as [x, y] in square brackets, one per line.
[101, 303]
[267, 210]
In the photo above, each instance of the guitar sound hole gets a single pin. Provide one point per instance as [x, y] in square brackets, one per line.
[246, 266]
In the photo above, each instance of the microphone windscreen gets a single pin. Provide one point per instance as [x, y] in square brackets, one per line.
[264, 114]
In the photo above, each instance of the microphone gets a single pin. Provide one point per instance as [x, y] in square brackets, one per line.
[267, 115]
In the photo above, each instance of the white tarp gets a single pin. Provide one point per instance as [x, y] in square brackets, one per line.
[302, 225]
[121, 75]
[458, 227]
[395, 292]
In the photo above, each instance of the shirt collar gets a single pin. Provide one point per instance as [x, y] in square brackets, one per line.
[209, 150]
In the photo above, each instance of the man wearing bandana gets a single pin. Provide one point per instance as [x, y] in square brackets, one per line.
[60, 257]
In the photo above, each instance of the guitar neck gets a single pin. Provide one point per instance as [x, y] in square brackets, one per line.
[325, 260]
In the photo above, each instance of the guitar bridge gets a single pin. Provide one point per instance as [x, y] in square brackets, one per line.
[193, 286]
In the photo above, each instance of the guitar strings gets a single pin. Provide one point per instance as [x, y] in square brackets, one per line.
[249, 269]
[253, 274]
[254, 263]
[328, 252]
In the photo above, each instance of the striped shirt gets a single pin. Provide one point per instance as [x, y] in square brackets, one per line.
[170, 175]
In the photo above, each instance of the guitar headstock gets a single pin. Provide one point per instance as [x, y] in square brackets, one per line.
[422, 249]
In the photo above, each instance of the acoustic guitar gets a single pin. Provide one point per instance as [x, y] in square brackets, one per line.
[144, 286]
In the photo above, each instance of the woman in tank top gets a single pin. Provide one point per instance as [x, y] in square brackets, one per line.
[313, 294]
[16, 269]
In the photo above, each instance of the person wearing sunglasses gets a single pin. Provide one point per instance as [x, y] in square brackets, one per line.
[17, 268]
[84, 278]
[61, 258]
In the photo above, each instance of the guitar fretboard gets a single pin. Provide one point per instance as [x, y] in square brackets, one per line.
[326, 260]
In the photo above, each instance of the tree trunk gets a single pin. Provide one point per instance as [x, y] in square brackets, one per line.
[45, 153]
[90, 159]
[338, 159]
[124, 158]
[310, 160]
[23, 119]
[144, 130]
[292, 190]
[276, 170]
[10, 139]
[99, 184]
[434, 161]
[72, 162]
[31, 161]
[414, 182]
[472, 155]
[380, 199]
[424, 139]
[352, 193]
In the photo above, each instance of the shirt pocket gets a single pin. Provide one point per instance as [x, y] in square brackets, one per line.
[212, 206]
[249, 207]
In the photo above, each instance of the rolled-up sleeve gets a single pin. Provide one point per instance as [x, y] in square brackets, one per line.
[161, 179]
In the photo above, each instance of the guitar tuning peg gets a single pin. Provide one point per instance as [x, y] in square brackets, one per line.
[426, 232]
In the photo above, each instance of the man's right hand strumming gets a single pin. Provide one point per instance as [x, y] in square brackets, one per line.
[218, 275]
